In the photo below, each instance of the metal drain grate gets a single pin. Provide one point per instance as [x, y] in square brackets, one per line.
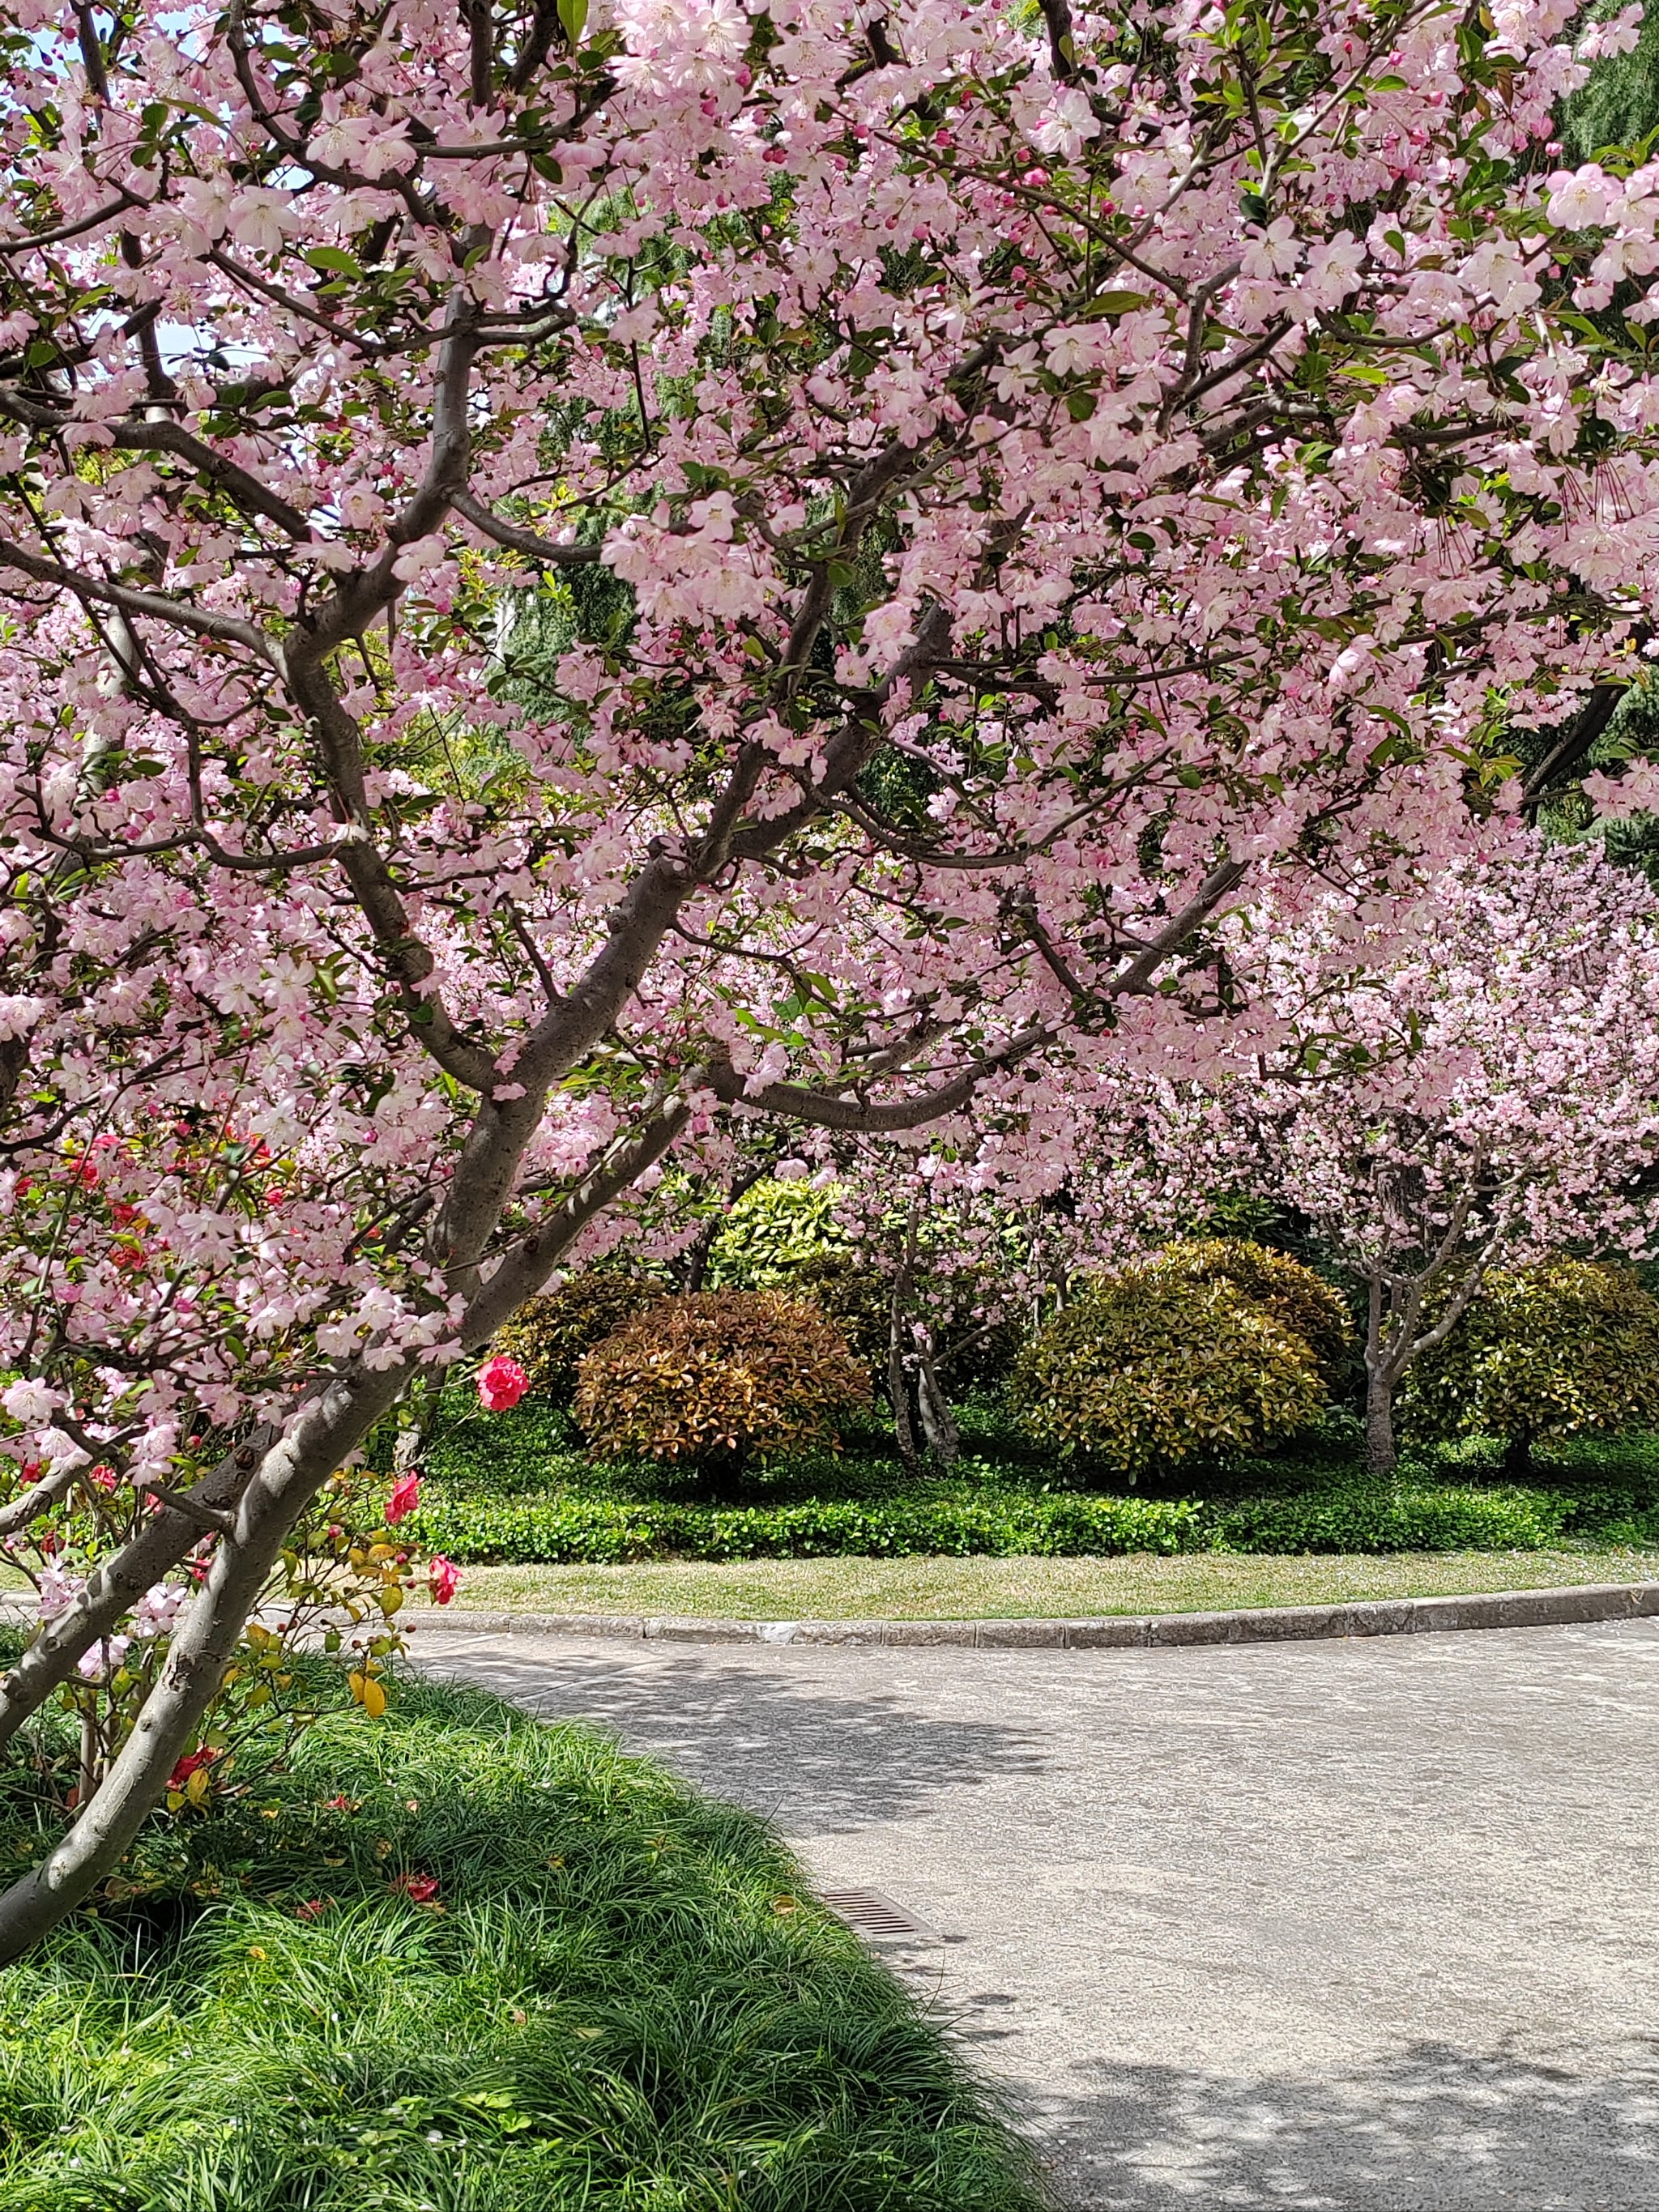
[876, 1918]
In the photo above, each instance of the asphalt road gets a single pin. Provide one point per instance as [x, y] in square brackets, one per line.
[1368, 1926]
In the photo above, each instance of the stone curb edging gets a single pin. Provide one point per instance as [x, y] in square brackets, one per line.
[1404, 1616]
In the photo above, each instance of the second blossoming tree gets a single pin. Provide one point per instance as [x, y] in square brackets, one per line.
[571, 575]
[1482, 1092]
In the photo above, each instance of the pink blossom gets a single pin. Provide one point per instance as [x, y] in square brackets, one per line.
[445, 1578]
[405, 1497]
[501, 1384]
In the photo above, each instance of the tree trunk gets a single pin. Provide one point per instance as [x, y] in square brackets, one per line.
[898, 1388]
[1517, 1455]
[202, 1646]
[1380, 1452]
[938, 1423]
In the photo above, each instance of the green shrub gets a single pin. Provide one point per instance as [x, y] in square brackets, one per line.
[1565, 1349]
[713, 1381]
[854, 1298]
[1290, 1293]
[1619, 105]
[618, 1995]
[1408, 1516]
[1411, 1516]
[549, 1336]
[774, 1231]
[1149, 1369]
[584, 1532]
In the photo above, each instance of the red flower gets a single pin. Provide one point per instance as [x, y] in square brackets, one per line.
[189, 1765]
[419, 1889]
[405, 1497]
[501, 1384]
[312, 1909]
[444, 1578]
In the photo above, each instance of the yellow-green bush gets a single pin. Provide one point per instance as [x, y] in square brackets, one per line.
[1150, 1367]
[716, 1380]
[551, 1335]
[1290, 1293]
[1563, 1349]
[775, 1230]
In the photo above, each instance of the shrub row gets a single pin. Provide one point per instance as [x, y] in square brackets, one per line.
[1356, 1517]
[579, 1531]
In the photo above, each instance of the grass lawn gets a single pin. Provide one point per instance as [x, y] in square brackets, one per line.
[1014, 1589]
[615, 1996]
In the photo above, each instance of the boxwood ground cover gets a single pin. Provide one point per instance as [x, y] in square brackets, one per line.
[517, 1488]
[456, 1961]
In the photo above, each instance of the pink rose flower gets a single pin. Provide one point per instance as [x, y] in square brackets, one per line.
[444, 1578]
[405, 1497]
[501, 1384]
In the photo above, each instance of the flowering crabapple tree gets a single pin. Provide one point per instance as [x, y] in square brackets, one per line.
[1486, 1097]
[984, 492]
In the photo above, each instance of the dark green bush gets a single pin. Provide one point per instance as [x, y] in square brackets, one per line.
[1149, 1369]
[715, 1381]
[1564, 1349]
[551, 1335]
[1292, 1295]
[854, 1296]
[1369, 1516]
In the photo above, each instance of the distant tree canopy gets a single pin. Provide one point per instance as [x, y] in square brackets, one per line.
[1619, 105]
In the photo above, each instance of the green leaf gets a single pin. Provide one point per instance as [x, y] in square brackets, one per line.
[1115, 303]
[335, 260]
[573, 18]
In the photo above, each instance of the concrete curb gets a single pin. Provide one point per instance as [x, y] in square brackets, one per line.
[1405, 1616]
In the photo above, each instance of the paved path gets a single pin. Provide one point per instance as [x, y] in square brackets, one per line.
[1367, 1927]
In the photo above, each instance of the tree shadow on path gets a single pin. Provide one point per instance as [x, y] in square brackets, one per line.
[1436, 2129]
[774, 1741]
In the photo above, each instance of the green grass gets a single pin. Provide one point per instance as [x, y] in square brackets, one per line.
[1029, 1589]
[620, 2000]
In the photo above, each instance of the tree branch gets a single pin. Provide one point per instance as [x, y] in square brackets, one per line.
[491, 525]
[200, 623]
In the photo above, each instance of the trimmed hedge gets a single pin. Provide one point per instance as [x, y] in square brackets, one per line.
[593, 1531]
[1360, 1517]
